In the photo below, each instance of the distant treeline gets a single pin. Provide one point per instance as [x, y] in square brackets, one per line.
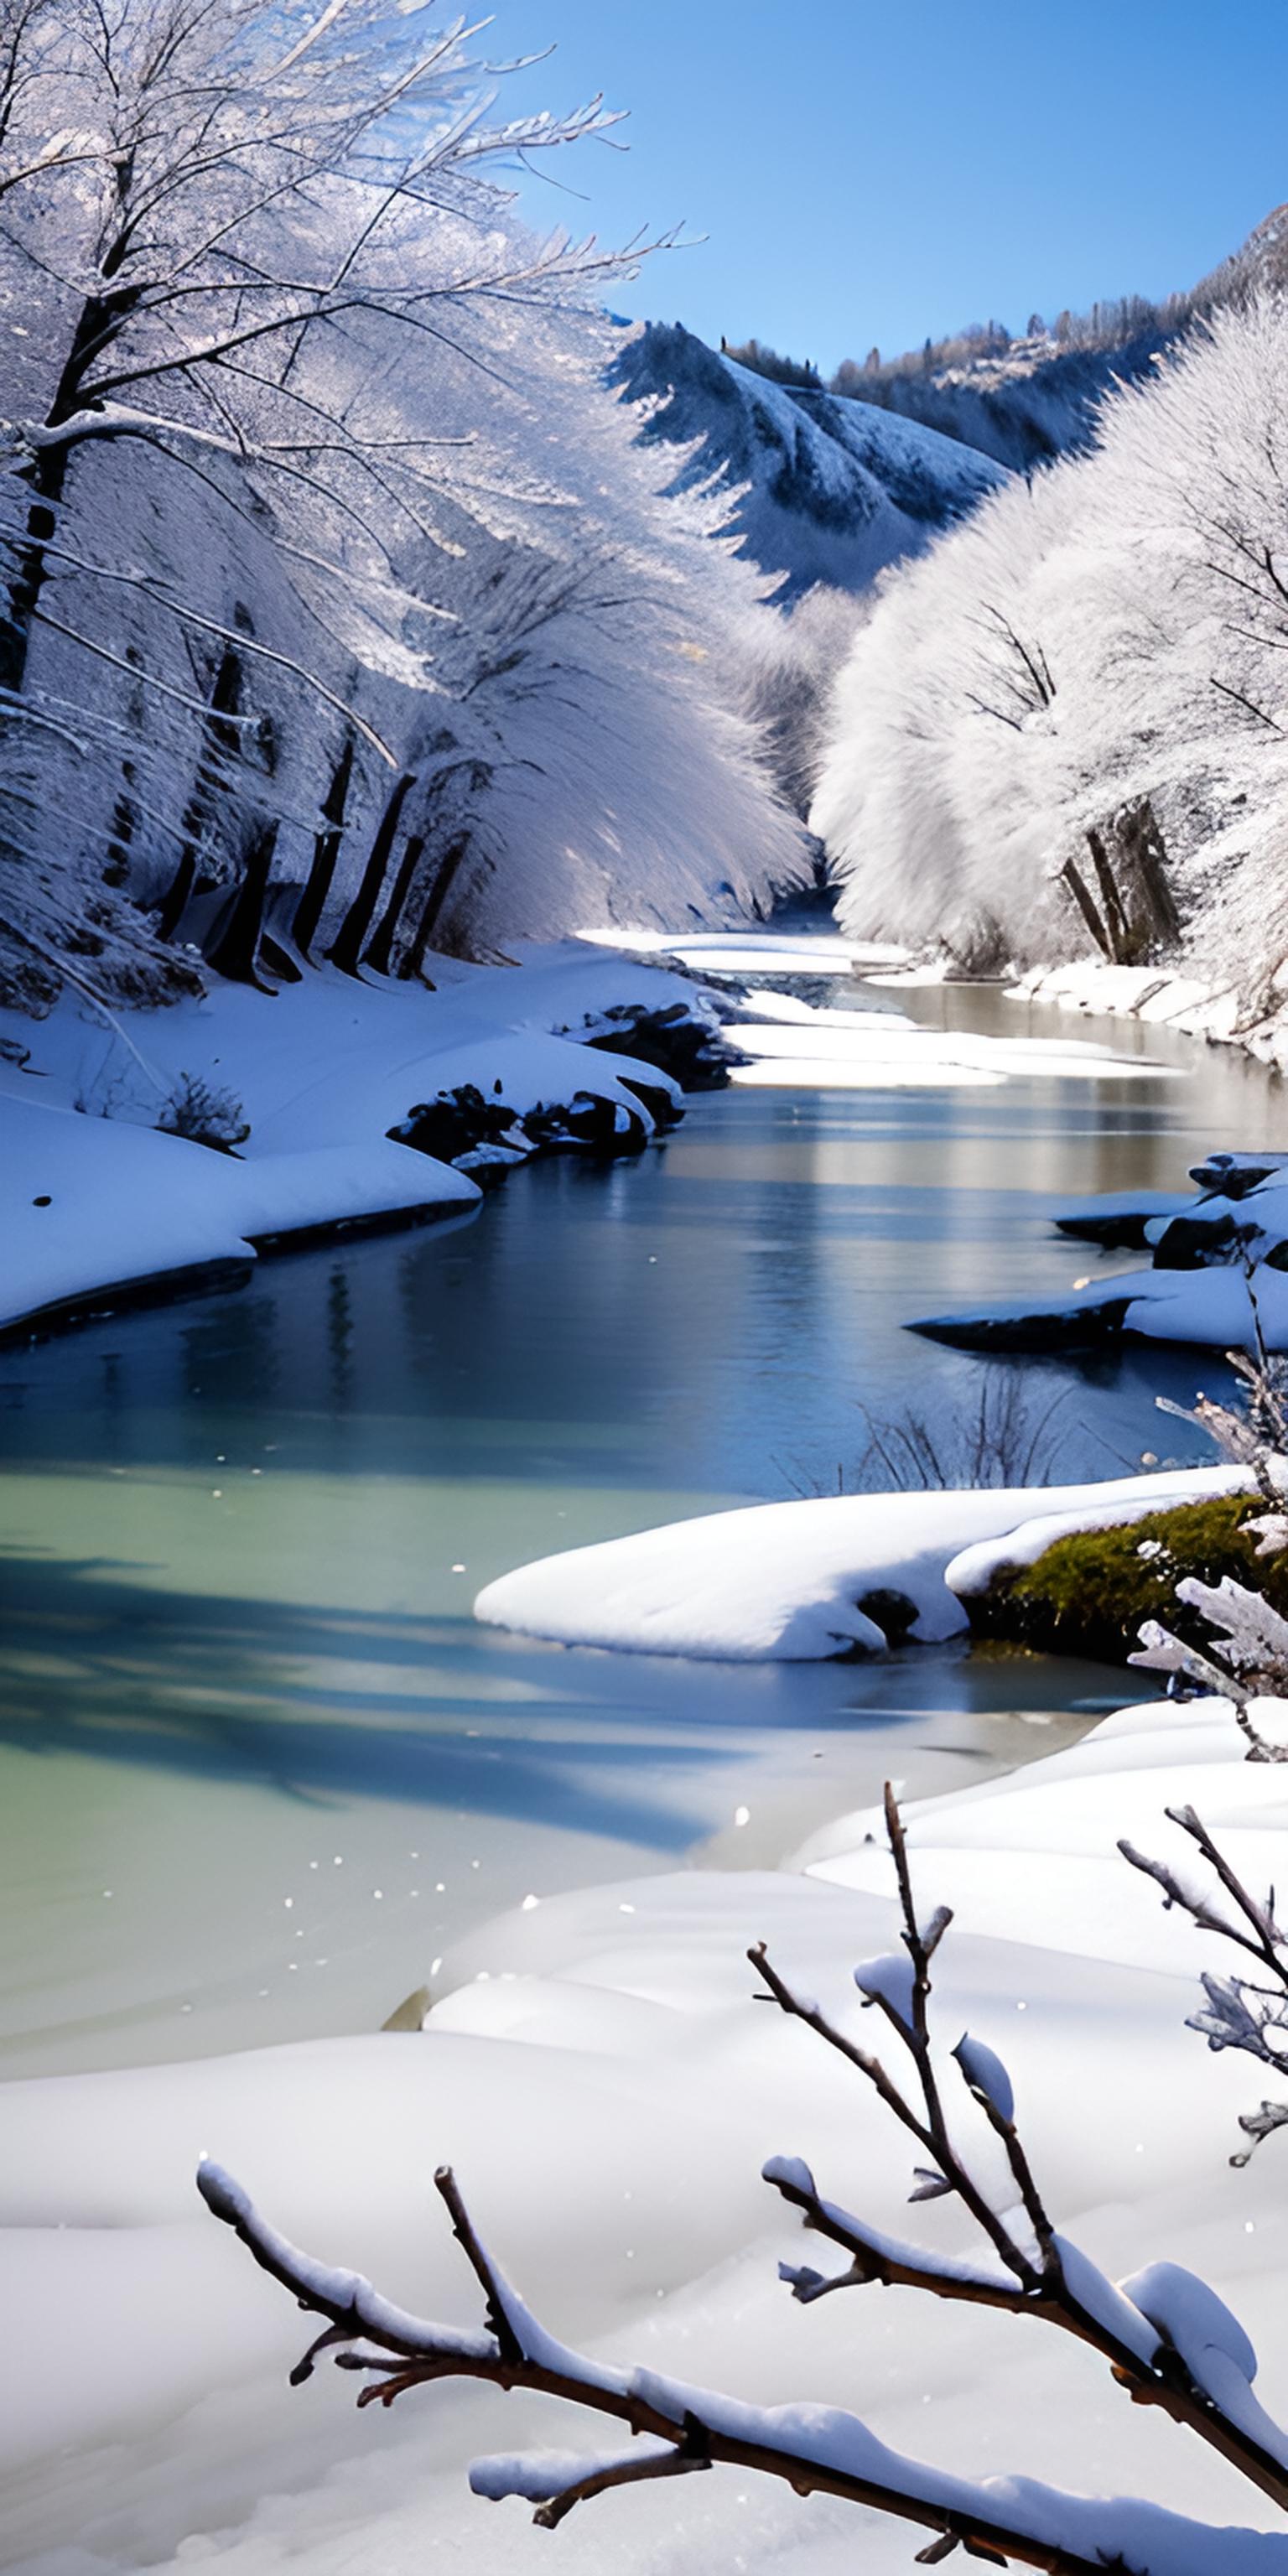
[1111, 323]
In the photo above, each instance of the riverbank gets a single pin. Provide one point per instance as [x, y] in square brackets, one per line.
[160, 1152]
[1154, 997]
[1159, 997]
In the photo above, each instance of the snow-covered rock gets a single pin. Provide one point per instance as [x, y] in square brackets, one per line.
[1220, 1274]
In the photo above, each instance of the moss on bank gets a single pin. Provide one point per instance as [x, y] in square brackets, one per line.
[1089, 1593]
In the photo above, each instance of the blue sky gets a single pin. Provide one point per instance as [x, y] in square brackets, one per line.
[871, 173]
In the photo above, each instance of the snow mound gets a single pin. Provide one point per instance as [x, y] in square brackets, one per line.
[92, 1204]
[788, 1581]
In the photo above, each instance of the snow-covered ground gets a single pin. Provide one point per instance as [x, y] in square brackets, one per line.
[780, 1581]
[598, 2074]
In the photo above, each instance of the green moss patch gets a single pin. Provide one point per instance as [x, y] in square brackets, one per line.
[1088, 1594]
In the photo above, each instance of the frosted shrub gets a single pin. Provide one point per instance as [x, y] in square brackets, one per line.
[204, 1113]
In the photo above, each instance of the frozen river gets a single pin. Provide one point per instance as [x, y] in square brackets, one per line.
[258, 1765]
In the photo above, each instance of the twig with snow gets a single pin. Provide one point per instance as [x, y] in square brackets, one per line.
[1239, 2012]
[1049, 2278]
[677, 2429]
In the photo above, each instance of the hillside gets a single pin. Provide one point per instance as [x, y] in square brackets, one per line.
[1035, 403]
[835, 489]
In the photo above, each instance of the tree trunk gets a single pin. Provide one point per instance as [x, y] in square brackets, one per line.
[99, 321]
[218, 735]
[449, 868]
[381, 949]
[346, 948]
[235, 945]
[326, 851]
[1079, 889]
[1140, 916]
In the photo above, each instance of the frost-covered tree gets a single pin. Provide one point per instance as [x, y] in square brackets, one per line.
[281, 513]
[1093, 665]
[1167, 2339]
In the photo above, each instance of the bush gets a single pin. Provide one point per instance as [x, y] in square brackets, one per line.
[1089, 1593]
[204, 1114]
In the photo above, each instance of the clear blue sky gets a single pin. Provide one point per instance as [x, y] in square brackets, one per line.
[874, 170]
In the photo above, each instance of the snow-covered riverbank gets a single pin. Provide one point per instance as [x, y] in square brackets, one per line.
[1162, 997]
[597, 2073]
[318, 1074]
[315, 1087]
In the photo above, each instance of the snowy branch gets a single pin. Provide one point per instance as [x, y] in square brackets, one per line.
[1169, 2341]
[677, 2428]
[1052, 2280]
[1238, 2012]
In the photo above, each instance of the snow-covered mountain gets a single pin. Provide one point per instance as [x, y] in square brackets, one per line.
[835, 489]
[1036, 403]
[1038, 398]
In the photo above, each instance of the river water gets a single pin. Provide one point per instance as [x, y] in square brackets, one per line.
[258, 1765]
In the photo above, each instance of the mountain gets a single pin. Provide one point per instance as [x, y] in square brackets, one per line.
[1040, 397]
[1036, 402]
[834, 489]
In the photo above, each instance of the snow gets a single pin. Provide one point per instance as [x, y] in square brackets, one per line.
[1216, 1254]
[1195, 1006]
[1191, 2316]
[93, 1203]
[543, 2474]
[985, 2073]
[321, 1071]
[1210, 1307]
[877, 1050]
[771, 952]
[786, 1580]
[888, 1980]
[611, 2153]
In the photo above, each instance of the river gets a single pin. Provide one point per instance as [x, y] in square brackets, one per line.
[259, 1766]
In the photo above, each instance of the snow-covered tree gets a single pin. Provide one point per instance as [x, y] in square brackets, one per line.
[309, 488]
[1089, 677]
